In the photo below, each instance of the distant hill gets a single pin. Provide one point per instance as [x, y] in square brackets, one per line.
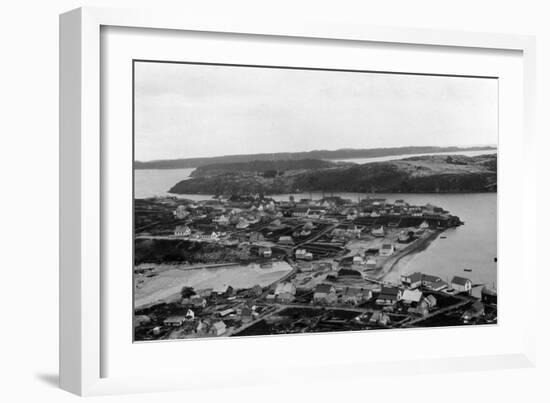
[316, 154]
[266, 168]
[426, 174]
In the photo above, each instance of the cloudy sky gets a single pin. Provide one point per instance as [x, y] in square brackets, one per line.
[184, 111]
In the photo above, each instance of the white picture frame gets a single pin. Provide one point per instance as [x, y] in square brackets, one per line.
[82, 177]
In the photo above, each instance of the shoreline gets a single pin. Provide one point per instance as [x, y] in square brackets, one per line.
[416, 247]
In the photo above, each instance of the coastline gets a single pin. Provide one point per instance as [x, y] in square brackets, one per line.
[415, 247]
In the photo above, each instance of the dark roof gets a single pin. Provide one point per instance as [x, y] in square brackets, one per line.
[460, 280]
[323, 288]
[430, 278]
[416, 276]
[390, 291]
[349, 272]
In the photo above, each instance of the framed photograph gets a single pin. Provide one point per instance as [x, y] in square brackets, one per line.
[260, 193]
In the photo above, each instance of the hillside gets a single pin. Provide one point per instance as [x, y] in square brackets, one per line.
[264, 168]
[424, 174]
[316, 154]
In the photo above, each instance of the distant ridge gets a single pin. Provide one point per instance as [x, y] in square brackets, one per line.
[315, 154]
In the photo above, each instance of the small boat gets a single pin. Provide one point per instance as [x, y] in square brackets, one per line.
[468, 270]
[442, 237]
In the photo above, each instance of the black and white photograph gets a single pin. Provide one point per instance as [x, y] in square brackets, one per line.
[273, 200]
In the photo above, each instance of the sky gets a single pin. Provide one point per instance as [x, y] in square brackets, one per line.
[187, 111]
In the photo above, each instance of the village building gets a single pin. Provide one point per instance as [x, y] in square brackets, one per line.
[226, 312]
[413, 280]
[424, 225]
[433, 282]
[182, 230]
[286, 240]
[218, 328]
[431, 301]
[387, 249]
[285, 292]
[370, 264]
[410, 297]
[388, 296]
[358, 260]
[197, 301]
[315, 213]
[221, 220]
[355, 296]
[256, 237]
[213, 236]
[325, 293]
[174, 321]
[303, 254]
[265, 251]
[300, 212]
[461, 284]
[378, 232]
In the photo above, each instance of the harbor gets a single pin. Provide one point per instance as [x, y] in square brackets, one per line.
[251, 265]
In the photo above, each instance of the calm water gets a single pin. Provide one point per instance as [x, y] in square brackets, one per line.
[170, 282]
[398, 157]
[472, 245]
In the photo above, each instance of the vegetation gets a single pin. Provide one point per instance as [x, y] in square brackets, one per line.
[164, 251]
[316, 154]
[424, 174]
[268, 169]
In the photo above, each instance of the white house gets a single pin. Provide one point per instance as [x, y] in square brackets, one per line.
[461, 284]
[424, 225]
[387, 249]
[182, 230]
[303, 254]
[300, 212]
[411, 296]
[389, 296]
[285, 292]
[379, 232]
[218, 328]
[412, 280]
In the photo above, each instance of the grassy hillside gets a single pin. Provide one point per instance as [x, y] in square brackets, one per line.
[425, 174]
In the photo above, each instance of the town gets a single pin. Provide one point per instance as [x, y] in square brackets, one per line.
[333, 254]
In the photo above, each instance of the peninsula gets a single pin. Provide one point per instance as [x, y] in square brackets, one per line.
[423, 174]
